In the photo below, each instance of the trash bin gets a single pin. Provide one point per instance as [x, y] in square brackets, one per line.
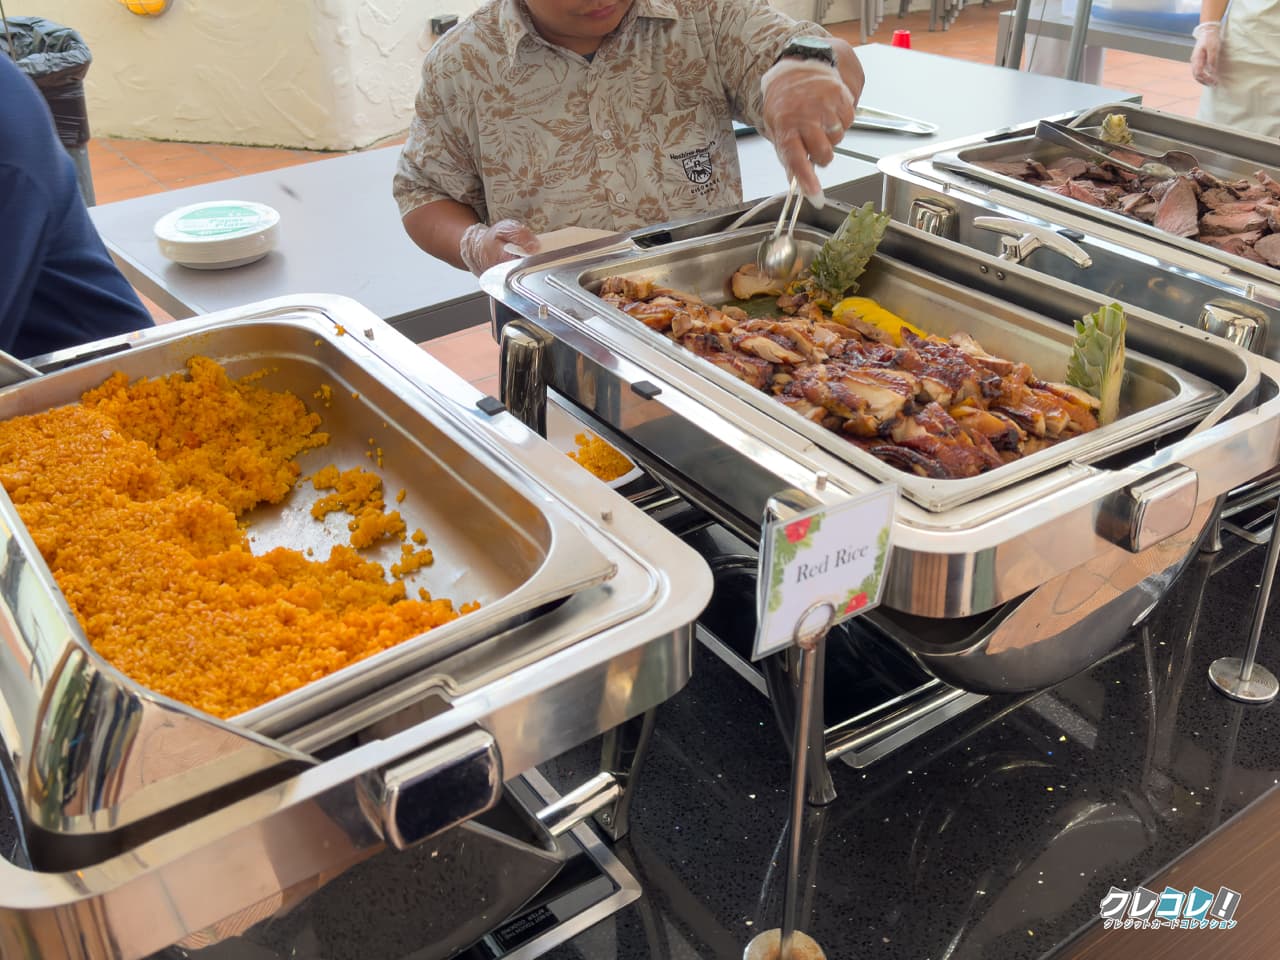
[57, 59]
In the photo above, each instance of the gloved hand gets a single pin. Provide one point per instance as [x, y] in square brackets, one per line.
[807, 109]
[1204, 57]
[484, 246]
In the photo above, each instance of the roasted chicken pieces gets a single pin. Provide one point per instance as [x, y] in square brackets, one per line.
[934, 407]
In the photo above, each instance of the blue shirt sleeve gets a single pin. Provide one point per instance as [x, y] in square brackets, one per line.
[58, 285]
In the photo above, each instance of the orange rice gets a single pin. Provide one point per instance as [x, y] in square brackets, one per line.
[599, 457]
[132, 497]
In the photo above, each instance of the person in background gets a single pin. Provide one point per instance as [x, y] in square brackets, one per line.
[611, 114]
[58, 285]
[1237, 59]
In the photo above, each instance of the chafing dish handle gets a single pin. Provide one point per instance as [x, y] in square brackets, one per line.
[1019, 240]
[1154, 509]
[439, 789]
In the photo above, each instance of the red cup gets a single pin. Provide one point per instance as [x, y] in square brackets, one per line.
[901, 38]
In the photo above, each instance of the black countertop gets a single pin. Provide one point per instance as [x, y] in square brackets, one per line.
[995, 835]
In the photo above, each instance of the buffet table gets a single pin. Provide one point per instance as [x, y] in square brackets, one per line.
[339, 232]
[961, 97]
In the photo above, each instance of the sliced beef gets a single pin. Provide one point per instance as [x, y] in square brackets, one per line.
[1070, 167]
[1021, 169]
[1225, 223]
[1085, 191]
[1215, 197]
[1179, 210]
[1241, 244]
[1125, 156]
[1268, 248]
[1271, 185]
[1131, 201]
[1206, 179]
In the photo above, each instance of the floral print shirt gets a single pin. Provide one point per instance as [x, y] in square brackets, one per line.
[514, 126]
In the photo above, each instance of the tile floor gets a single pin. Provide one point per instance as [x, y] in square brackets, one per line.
[130, 168]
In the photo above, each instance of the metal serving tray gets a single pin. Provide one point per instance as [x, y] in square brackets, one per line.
[496, 537]
[1227, 154]
[1157, 397]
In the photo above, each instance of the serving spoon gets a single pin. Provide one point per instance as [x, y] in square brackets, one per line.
[777, 253]
[1164, 165]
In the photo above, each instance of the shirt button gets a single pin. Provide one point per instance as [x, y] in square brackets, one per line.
[620, 197]
[607, 135]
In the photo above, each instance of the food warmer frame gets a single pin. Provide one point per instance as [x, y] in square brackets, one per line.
[943, 191]
[1009, 591]
[134, 805]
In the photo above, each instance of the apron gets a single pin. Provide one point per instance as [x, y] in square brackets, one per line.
[1247, 95]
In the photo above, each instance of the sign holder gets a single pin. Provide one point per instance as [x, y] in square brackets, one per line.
[1245, 680]
[808, 641]
[827, 562]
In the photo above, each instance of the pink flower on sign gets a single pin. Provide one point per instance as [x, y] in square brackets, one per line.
[796, 531]
[856, 602]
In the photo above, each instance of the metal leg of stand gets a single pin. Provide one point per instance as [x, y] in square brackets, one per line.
[622, 754]
[1079, 33]
[1245, 680]
[782, 675]
[1013, 53]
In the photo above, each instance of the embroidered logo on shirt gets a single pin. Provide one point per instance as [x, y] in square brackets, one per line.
[696, 163]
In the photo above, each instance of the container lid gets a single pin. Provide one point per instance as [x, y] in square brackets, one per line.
[218, 233]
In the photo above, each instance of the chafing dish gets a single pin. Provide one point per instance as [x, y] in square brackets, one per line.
[944, 191]
[1042, 575]
[135, 805]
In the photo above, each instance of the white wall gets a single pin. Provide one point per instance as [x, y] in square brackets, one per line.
[324, 74]
[320, 74]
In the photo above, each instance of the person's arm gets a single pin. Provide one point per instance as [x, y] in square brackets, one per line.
[1208, 34]
[438, 227]
[451, 231]
[804, 112]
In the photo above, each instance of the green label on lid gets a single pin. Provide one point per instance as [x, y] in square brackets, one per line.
[219, 221]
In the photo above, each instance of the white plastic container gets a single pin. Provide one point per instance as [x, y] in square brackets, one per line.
[218, 234]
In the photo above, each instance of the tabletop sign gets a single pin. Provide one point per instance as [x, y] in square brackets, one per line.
[830, 554]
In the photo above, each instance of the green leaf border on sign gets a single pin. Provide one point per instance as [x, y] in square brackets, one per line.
[785, 551]
[870, 584]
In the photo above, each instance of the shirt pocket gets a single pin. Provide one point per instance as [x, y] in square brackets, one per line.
[690, 159]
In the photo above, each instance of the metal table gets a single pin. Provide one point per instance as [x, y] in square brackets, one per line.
[962, 97]
[340, 233]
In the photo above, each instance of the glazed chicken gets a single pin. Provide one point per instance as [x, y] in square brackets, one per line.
[933, 407]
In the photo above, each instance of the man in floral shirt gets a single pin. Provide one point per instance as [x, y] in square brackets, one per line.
[614, 114]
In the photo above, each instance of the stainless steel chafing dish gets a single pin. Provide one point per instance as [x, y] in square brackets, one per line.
[1013, 585]
[133, 804]
[944, 191]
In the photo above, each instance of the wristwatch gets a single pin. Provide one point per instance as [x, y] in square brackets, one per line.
[810, 48]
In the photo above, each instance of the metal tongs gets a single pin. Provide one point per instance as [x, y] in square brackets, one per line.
[1163, 165]
[13, 370]
[869, 118]
[776, 255]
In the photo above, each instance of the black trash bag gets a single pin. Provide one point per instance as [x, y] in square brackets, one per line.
[57, 59]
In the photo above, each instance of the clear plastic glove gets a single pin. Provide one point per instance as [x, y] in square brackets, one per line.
[1204, 57]
[807, 109]
[485, 246]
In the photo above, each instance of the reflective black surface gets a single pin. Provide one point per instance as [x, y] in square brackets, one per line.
[993, 836]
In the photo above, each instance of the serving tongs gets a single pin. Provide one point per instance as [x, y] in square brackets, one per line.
[13, 370]
[1164, 165]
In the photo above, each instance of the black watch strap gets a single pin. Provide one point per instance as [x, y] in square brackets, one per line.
[810, 48]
